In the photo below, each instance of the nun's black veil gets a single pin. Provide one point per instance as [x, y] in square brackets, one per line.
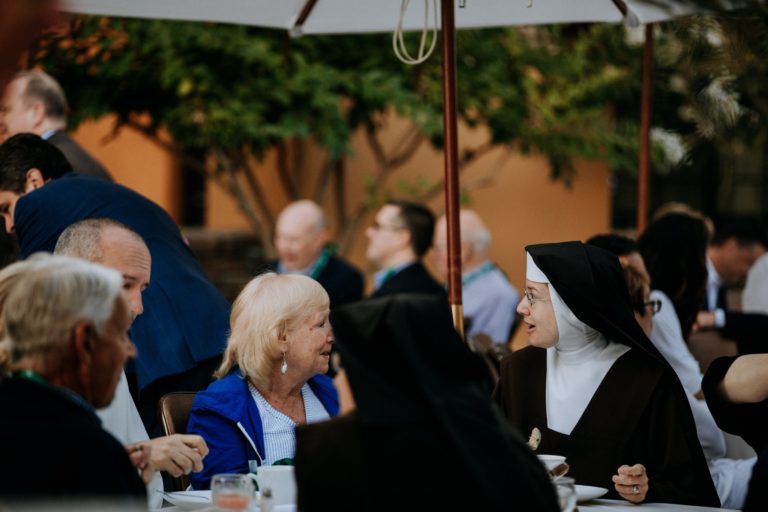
[591, 282]
[408, 367]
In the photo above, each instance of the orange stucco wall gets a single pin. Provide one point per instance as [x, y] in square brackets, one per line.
[133, 161]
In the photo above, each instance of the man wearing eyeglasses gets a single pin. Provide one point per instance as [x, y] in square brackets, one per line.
[398, 239]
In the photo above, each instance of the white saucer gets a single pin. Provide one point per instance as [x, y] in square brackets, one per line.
[587, 492]
[189, 500]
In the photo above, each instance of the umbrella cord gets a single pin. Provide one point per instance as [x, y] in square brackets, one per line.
[398, 41]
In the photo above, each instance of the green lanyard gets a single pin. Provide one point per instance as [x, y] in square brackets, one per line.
[476, 274]
[320, 264]
[33, 376]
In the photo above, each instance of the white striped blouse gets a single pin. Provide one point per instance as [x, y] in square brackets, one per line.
[279, 436]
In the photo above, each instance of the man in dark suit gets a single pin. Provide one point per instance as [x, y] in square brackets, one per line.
[301, 240]
[182, 332]
[35, 103]
[399, 237]
[734, 249]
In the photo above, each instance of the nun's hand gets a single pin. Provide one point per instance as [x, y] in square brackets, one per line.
[631, 482]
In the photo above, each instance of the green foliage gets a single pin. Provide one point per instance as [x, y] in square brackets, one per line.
[226, 92]
[232, 88]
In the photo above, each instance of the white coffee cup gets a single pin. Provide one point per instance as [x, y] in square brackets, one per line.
[281, 481]
[551, 461]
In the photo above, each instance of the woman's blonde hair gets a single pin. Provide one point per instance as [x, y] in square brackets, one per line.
[269, 306]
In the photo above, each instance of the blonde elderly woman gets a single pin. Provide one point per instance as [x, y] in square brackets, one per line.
[272, 377]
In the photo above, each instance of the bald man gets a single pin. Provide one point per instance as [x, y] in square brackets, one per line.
[301, 240]
[489, 299]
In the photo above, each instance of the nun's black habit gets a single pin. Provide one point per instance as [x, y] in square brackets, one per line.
[638, 414]
[425, 435]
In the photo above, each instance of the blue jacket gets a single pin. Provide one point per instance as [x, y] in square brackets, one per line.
[226, 416]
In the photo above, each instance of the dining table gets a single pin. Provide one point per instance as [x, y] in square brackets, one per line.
[598, 505]
[625, 506]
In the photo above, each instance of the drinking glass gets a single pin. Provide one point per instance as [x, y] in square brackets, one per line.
[232, 492]
[566, 493]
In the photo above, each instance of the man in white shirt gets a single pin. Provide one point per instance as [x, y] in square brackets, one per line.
[117, 246]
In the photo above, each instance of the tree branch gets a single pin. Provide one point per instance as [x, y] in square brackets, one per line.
[258, 196]
[284, 173]
[407, 147]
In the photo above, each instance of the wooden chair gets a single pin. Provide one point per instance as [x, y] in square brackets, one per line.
[174, 415]
[482, 345]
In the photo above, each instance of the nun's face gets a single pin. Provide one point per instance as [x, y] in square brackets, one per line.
[538, 315]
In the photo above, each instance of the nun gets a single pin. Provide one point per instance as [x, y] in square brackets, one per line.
[422, 432]
[594, 385]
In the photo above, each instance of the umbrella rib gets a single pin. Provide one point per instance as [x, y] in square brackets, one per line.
[309, 5]
[620, 5]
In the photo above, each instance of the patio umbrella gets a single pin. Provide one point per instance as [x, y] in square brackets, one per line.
[360, 16]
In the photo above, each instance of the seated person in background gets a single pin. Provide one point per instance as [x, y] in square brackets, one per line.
[301, 241]
[600, 393]
[271, 378]
[66, 326]
[115, 245]
[398, 239]
[736, 390]
[489, 298]
[736, 246]
[424, 434]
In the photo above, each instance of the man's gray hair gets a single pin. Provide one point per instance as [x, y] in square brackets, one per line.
[481, 240]
[474, 231]
[83, 239]
[48, 302]
[44, 88]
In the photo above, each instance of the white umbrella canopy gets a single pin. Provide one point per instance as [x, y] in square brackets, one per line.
[361, 16]
[358, 16]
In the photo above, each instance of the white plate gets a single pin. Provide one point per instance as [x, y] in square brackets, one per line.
[587, 492]
[189, 500]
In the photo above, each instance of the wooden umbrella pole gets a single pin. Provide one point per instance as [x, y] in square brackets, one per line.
[644, 161]
[450, 109]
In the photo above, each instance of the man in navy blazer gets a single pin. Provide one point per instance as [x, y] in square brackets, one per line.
[398, 239]
[182, 333]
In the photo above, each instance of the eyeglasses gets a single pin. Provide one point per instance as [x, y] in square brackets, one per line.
[379, 227]
[531, 299]
[653, 305]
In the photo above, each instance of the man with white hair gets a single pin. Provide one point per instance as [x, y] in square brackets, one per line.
[489, 299]
[66, 325]
[301, 240]
[34, 102]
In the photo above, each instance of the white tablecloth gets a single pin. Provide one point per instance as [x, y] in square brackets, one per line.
[624, 506]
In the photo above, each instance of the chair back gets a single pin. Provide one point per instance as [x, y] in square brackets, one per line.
[174, 415]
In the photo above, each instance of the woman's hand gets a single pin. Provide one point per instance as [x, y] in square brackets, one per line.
[631, 482]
